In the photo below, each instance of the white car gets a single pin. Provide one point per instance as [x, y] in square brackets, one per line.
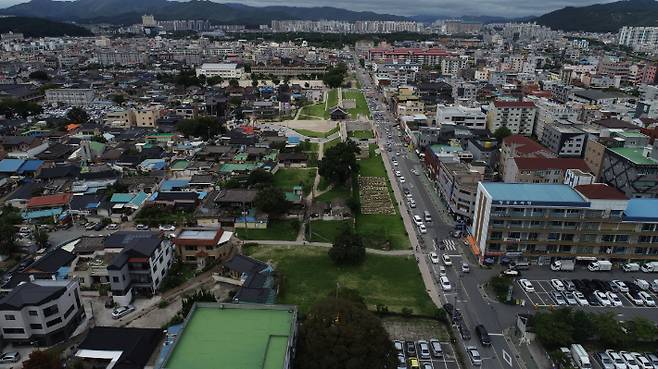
[395, 163]
[412, 203]
[510, 272]
[647, 299]
[167, 227]
[418, 220]
[618, 285]
[617, 359]
[631, 363]
[434, 257]
[602, 298]
[557, 284]
[422, 228]
[582, 300]
[402, 180]
[442, 270]
[526, 285]
[446, 259]
[644, 285]
[122, 311]
[635, 298]
[614, 299]
[445, 283]
[642, 361]
[398, 173]
[112, 227]
[474, 355]
[142, 227]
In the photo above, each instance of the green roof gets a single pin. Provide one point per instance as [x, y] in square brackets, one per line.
[631, 134]
[237, 167]
[179, 165]
[633, 155]
[237, 336]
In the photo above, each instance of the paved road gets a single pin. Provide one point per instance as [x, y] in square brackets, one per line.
[467, 292]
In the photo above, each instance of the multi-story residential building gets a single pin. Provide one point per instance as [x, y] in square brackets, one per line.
[517, 116]
[395, 75]
[460, 26]
[593, 157]
[432, 56]
[120, 118]
[458, 185]
[564, 139]
[639, 38]
[546, 221]
[122, 57]
[453, 66]
[465, 91]
[224, 70]
[633, 170]
[485, 150]
[288, 70]
[472, 118]
[433, 93]
[44, 311]
[140, 267]
[517, 146]
[201, 246]
[147, 117]
[548, 112]
[70, 96]
[541, 170]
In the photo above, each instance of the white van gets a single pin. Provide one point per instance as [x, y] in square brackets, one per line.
[428, 216]
[580, 356]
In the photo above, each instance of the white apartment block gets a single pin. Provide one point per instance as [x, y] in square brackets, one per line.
[70, 96]
[517, 116]
[224, 70]
[548, 112]
[467, 117]
[44, 311]
[639, 38]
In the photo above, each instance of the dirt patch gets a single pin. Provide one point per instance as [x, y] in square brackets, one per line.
[318, 125]
[414, 329]
[373, 193]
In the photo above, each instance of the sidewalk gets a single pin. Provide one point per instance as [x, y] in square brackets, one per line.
[328, 245]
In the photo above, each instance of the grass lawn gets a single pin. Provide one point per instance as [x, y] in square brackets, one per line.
[361, 134]
[327, 230]
[316, 110]
[317, 134]
[277, 229]
[340, 192]
[361, 104]
[373, 166]
[332, 99]
[309, 275]
[382, 231]
[287, 178]
[332, 143]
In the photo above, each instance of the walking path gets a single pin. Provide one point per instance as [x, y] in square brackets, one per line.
[328, 245]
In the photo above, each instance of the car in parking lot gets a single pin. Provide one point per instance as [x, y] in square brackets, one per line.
[526, 285]
[142, 227]
[647, 299]
[653, 358]
[402, 362]
[558, 298]
[410, 348]
[510, 273]
[399, 346]
[580, 298]
[10, 357]
[474, 355]
[446, 259]
[635, 298]
[435, 348]
[619, 286]
[422, 228]
[642, 284]
[557, 284]
[570, 297]
[642, 361]
[604, 360]
[614, 299]
[418, 220]
[413, 363]
[112, 227]
[434, 257]
[616, 359]
[602, 298]
[423, 349]
[630, 361]
[569, 285]
[122, 311]
[402, 180]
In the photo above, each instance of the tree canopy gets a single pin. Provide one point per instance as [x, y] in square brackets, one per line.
[339, 162]
[343, 334]
[39, 359]
[204, 127]
[501, 133]
[39, 75]
[272, 201]
[16, 108]
[335, 76]
[77, 115]
[8, 221]
[348, 248]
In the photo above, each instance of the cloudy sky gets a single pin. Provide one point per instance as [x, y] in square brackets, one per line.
[505, 8]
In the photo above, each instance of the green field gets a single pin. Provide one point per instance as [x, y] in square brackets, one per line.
[327, 230]
[315, 111]
[332, 99]
[332, 143]
[309, 275]
[277, 229]
[373, 166]
[340, 192]
[361, 104]
[361, 134]
[317, 134]
[287, 178]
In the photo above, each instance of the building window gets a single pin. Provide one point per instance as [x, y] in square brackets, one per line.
[621, 238]
[553, 236]
[567, 237]
[53, 322]
[50, 310]
[36, 326]
[190, 258]
[68, 312]
[608, 238]
[13, 330]
[33, 313]
[10, 317]
[644, 239]
[115, 279]
[190, 248]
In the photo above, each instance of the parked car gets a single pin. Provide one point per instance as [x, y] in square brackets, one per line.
[445, 283]
[614, 299]
[635, 298]
[10, 357]
[474, 355]
[647, 299]
[482, 333]
[446, 259]
[418, 220]
[511, 273]
[142, 227]
[90, 226]
[435, 348]
[399, 346]
[122, 311]
[526, 285]
[559, 299]
[630, 361]
[112, 227]
[410, 348]
[434, 257]
[463, 330]
[570, 297]
[422, 228]
[167, 227]
[99, 227]
[402, 362]
[616, 359]
[557, 284]
[580, 298]
[604, 360]
[619, 286]
[642, 361]
[423, 349]
[602, 298]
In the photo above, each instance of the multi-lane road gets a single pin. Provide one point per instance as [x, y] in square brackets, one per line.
[466, 293]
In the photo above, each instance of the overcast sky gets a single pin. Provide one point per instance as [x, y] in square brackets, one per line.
[505, 8]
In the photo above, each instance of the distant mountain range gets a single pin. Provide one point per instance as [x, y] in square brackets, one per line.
[130, 11]
[39, 27]
[608, 17]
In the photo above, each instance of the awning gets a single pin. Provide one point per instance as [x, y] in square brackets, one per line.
[474, 247]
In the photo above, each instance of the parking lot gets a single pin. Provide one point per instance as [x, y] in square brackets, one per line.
[447, 359]
[545, 294]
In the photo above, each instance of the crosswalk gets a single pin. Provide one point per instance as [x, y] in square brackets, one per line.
[450, 245]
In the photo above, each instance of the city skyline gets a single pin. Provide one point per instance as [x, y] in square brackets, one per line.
[443, 8]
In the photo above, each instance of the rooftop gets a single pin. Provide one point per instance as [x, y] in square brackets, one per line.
[197, 234]
[600, 191]
[533, 193]
[239, 336]
[551, 163]
[634, 155]
[641, 210]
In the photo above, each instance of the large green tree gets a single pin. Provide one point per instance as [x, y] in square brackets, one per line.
[9, 218]
[77, 115]
[204, 127]
[335, 76]
[342, 334]
[43, 360]
[501, 133]
[272, 201]
[348, 249]
[339, 162]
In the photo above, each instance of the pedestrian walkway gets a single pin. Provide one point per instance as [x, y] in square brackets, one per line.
[328, 245]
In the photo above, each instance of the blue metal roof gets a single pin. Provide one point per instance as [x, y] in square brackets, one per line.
[171, 184]
[42, 213]
[642, 210]
[10, 165]
[533, 193]
[30, 166]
